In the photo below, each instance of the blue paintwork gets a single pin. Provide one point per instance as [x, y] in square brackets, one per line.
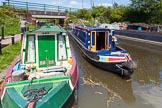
[83, 33]
[17, 67]
[104, 53]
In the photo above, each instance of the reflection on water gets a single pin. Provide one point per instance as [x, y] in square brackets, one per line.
[149, 64]
[143, 90]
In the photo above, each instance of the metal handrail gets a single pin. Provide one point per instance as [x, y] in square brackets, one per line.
[37, 6]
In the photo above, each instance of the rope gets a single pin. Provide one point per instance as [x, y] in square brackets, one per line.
[34, 95]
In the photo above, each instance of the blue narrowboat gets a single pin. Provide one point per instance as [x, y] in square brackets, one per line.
[98, 46]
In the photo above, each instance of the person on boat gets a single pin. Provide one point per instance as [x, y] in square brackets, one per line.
[38, 24]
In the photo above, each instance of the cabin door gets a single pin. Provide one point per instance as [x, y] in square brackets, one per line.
[93, 41]
[46, 50]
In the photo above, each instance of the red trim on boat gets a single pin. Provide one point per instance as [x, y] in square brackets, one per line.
[81, 28]
[8, 75]
[116, 59]
[74, 73]
[128, 57]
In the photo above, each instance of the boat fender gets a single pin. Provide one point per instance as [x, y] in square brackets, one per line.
[126, 72]
[31, 104]
[129, 65]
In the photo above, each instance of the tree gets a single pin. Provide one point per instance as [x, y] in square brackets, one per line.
[84, 14]
[150, 10]
[98, 11]
[8, 17]
[117, 14]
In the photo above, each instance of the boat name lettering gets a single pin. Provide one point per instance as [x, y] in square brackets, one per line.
[63, 33]
[112, 53]
[45, 33]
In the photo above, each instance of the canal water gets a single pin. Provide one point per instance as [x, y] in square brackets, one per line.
[101, 89]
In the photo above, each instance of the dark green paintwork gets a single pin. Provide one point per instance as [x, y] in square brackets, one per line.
[46, 50]
[55, 98]
[12, 99]
[35, 81]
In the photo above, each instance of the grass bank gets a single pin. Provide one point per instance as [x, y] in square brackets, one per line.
[9, 53]
[8, 30]
[10, 20]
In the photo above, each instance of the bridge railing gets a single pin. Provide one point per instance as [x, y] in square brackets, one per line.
[36, 6]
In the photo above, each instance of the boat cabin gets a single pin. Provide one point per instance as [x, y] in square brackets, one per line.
[45, 47]
[95, 39]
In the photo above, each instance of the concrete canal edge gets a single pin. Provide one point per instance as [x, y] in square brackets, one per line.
[147, 44]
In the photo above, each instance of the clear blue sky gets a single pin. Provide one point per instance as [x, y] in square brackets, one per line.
[77, 3]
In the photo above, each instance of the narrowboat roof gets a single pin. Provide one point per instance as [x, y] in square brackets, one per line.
[89, 28]
[50, 29]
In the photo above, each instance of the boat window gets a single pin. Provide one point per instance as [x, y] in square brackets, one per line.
[93, 38]
[82, 36]
[62, 52]
[30, 49]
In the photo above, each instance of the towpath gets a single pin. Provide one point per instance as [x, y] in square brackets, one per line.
[7, 39]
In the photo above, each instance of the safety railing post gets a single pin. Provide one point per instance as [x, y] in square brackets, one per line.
[22, 36]
[27, 6]
[2, 31]
[44, 8]
[13, 39]
[58, 8]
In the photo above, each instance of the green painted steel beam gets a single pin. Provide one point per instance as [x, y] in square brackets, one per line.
[35, 81]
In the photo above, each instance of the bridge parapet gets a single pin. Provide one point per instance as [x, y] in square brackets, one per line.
[36, 6]
[36, 12]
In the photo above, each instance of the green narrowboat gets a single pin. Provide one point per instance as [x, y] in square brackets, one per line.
[45, 74]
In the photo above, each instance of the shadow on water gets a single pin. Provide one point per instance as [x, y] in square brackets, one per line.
[111, 86]
[142, 90]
